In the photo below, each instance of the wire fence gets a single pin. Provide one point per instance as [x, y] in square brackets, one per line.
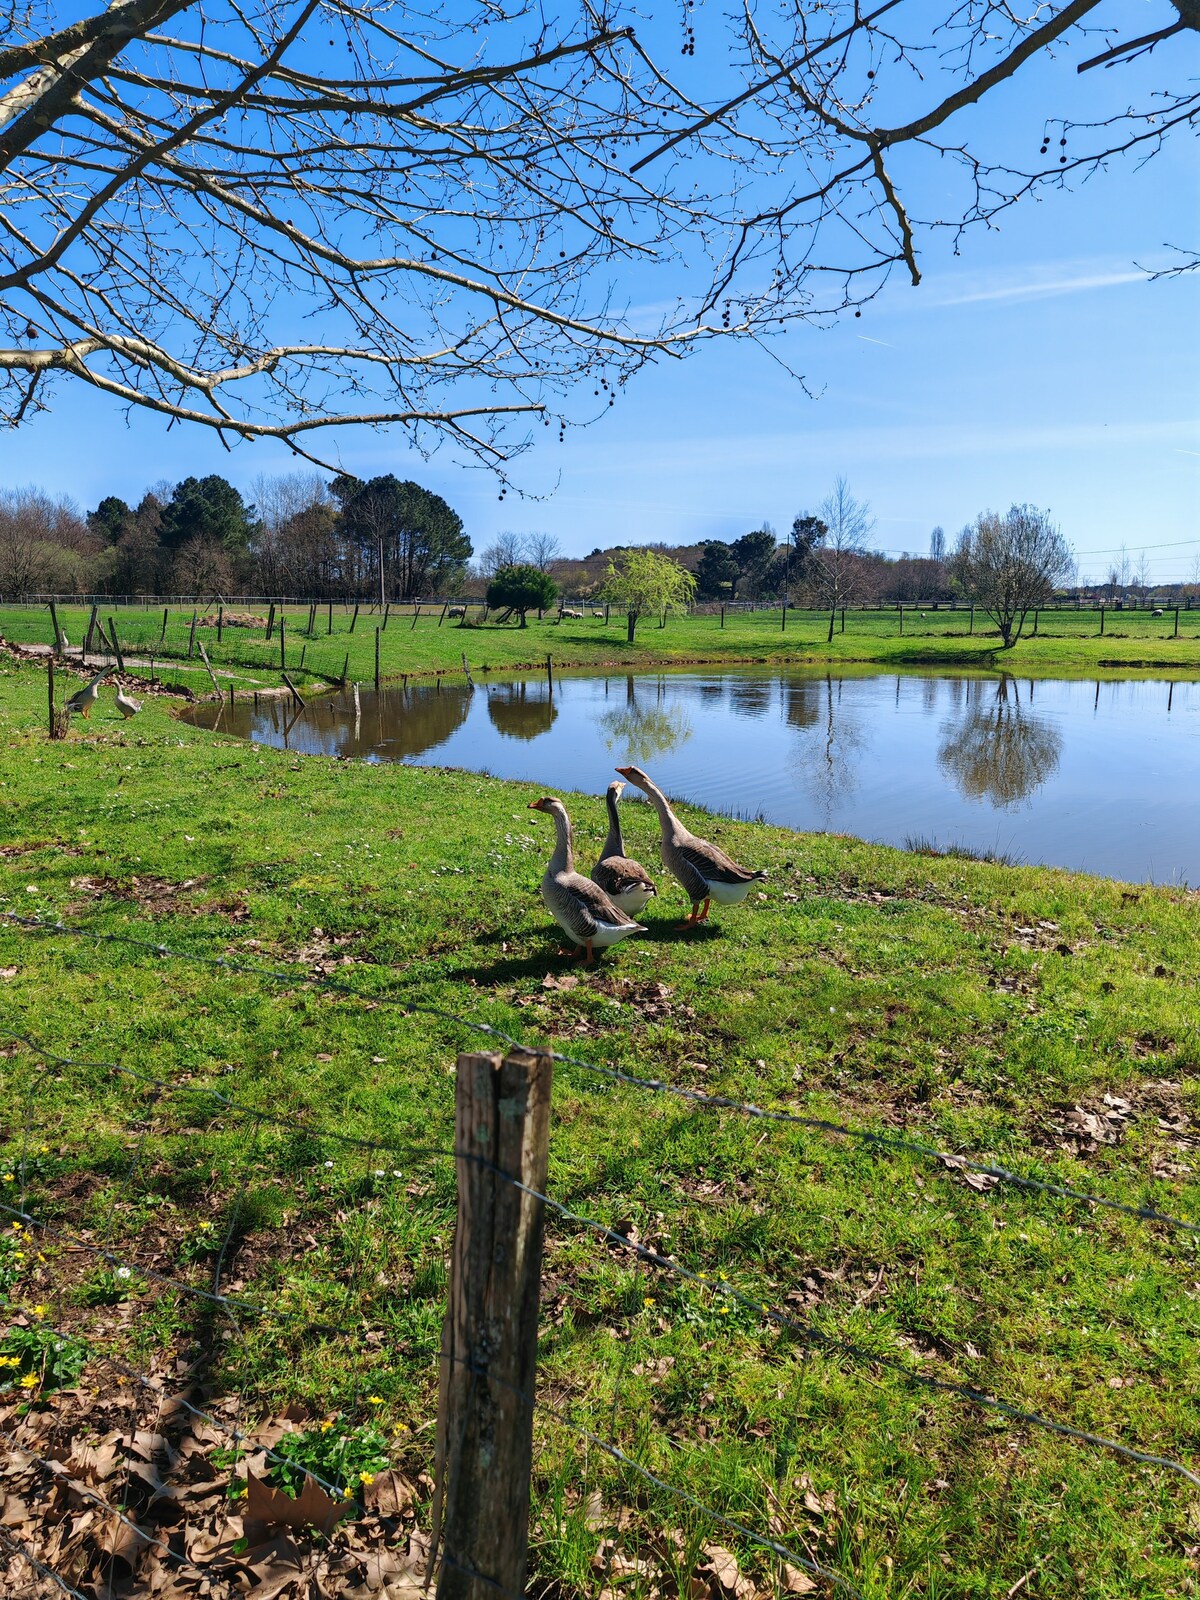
[99, 1243]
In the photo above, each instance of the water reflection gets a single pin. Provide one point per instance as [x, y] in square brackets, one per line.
[648, 724]
[1103, 775]
[999, 751]
[829, 770]
[521, 710]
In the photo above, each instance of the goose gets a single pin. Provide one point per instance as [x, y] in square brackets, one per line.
[704, 871]
[126, 704]
[625, 881]
[580, 907]
[84, 699]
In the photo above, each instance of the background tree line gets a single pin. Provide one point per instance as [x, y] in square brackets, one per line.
[300, 535]
[308, 536]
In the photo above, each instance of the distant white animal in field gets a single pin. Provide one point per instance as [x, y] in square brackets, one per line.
[597, 613]
[127, 705]
[457, 611]
[567, 612]
[84, 699]
[1157, 613]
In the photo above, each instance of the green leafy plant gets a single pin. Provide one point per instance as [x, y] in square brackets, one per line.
[36, 1359]
[109, 1286]
[14, 1256]
[346, 1457]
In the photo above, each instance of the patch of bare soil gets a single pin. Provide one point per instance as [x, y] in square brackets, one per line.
[157, 896]
[233, 619]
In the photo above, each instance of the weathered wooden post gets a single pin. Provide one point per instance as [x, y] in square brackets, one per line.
[270, 623]
[163, 634]
[329, 620]
[53, 724]
[971, 629]
[442, 618]
[282, 642]
[91, 628]
[1102, 622]
[843, 627]
[489, 1338]
[900, 609]
[416, 617]
[1175, 635]
[58, 633]
[191, 635]
[220, 621]
[550, 674]
[346, 669]
[722, 616]
[354, 619]
[387, 611]
[112, 631]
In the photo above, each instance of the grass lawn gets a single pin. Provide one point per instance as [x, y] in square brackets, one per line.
[1067, 644]
[1044, 1020]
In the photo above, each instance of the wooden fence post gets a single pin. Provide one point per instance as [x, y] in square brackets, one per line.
[112, 630]
[329, 619]
[87, 638]
[58, 633]
[346, 669]
[1175, 635]
[53, 724]
[163, 634]
[282, 644]
[270, 623]
[353, 619]
[489, 1338]
[191, 635]
[416, 617]
[220, 622]
[1102, 622]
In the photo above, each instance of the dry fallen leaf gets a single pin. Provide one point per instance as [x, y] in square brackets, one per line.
[267, 1507]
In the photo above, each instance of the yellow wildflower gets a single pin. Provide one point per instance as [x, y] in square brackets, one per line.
[374, 1399]
[649, 1300]
[326, 1425]
[9, 1178]
[724, 1310]
[41, 1311]
[367, 1478]
[29, 1381]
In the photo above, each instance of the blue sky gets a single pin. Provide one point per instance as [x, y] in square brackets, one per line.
[1040, 365]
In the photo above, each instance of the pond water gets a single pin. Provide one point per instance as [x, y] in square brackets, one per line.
[1101, 776]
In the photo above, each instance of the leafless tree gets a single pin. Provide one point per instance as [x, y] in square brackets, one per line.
[329, 211]
[937, 545]
[45, 546]
[506, 550]
[541, 550]
[1011, 564]
[835, 560]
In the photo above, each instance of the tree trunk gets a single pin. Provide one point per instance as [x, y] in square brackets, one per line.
[832, 620]
[522, 619]
[631, 624]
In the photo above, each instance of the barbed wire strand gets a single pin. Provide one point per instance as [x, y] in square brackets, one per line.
[698, 1097]
[140, 1533]
[23, 1550]
[333, 1490]
[857, 1352]
[809, 1334]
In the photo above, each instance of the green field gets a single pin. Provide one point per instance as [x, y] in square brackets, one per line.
[1036, 1018]
[1068, 643]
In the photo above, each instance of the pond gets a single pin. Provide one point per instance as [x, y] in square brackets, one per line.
[1099, 776]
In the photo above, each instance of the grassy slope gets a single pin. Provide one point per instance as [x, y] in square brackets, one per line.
[961, 1002]
[1067, 645]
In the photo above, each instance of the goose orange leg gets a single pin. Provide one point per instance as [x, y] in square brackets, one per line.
[691, 919]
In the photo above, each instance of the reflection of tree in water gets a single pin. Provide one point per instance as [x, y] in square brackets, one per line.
[999, 752]
[394, 723]
[643, 727]
[521, 710]
[802, 701]
[830, 775]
